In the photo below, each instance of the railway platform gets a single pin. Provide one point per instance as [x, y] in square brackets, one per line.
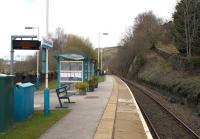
[122, 118]
[109, 112]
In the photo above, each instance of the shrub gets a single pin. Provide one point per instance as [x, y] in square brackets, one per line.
[81, 85]
[92, 82]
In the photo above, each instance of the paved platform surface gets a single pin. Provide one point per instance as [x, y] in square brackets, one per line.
[129, 122]
[109, 112]
[82, 121]
[122, 118]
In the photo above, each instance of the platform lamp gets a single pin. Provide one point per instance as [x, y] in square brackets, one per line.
[37, 76]
[101, 50]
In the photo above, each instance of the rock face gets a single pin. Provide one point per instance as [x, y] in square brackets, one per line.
[135, 67]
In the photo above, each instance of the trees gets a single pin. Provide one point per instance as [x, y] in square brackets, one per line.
[187, 26]
[69, 42]
[1, 65]
[147, 30]
[62, 43]
[77, 43]
[167, 36]
[141, 37]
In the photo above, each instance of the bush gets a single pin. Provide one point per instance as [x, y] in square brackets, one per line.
[100, 78]
[81, 85]
[92, 82]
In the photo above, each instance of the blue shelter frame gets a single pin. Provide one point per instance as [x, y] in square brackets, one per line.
[74, 67]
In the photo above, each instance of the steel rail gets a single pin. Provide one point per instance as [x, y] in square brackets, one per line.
[149, 121]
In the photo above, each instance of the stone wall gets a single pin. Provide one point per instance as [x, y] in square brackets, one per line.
[178, 62]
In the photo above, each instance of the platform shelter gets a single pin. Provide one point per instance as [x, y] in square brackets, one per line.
[74, 67]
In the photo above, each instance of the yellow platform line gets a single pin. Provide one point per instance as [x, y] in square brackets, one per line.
[106, 125]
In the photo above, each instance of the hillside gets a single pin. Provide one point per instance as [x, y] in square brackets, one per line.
[184, 86]
[108, 54]
[158, 72]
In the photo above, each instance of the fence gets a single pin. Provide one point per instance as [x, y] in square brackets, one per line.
[21, 77]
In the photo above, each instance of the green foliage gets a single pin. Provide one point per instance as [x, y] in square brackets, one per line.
[188, 60]
[194, 60]
[79, 44]
[92, 82]
[160, 74]
[186, 25]
[100, 78]
[81, 85]
[69, 43]
[35, 126]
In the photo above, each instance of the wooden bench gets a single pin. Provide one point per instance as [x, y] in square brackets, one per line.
[62, 93]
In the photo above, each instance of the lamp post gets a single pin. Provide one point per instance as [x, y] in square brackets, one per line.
[37, 76]
[101, 50]
[46, 90]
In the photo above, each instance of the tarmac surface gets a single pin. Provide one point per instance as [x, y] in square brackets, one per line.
[82, 121]
[109, 112]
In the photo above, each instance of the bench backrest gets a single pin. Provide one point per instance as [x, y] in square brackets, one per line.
[62, 89]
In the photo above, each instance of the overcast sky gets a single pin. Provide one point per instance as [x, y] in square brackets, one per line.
[86, 18]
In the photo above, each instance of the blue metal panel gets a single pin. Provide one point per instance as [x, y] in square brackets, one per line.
[43, 60]
[46, 101]
[23, 101]
[6, 102]
[37, 83]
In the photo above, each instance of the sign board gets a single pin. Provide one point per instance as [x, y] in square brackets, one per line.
[71, 71]
[26, 44]
[46, 43]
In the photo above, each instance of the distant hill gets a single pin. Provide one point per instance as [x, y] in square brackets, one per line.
[108, 54]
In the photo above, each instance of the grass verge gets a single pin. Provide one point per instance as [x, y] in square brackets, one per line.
[35, 126]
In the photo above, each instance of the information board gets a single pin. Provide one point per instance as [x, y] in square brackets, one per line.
[71, 71]
[26, 44]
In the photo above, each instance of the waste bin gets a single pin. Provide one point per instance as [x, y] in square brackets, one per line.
[23, 101]
[6, 102]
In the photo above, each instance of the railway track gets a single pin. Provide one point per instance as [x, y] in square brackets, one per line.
[162, 123]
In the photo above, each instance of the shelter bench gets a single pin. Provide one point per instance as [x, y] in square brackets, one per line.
[62, 93]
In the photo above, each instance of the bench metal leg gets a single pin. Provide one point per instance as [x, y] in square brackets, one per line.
[60, 103]
[61, 106]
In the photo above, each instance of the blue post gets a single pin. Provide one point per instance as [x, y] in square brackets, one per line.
[58, 72]
[83, 71]
[46, 90]
[37, 83]
[95, 70]
[46, 101]
[44, 60]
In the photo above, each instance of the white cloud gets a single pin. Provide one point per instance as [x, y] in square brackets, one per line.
[86, 18]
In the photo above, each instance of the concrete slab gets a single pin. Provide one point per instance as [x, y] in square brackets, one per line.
[128, 123]
[106, 125]
[82, 121]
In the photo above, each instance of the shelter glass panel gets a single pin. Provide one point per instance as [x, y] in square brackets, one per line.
[71, 71]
